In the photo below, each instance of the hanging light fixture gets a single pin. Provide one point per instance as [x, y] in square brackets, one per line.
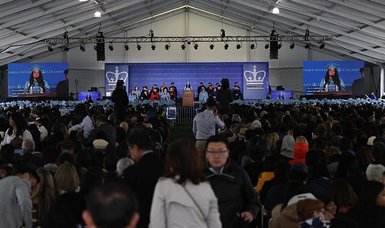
[97, 13]
[275, 10]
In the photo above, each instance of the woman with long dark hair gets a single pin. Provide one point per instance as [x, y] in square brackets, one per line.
[182, 198]
[18, 128]
[332, 78]
[36, 82]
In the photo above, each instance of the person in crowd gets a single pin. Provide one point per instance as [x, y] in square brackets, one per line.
[203, 95]
[187, 86]
[224, 96]
[237, 200]
[44, 195]
[123, 164]
[15, 203]
[143, 175]
[310, 213]
[189, 200]
[103, 130]
[111, 205]
[62, 89]
[120, 98]
[36, 82]
[370, 208]
[67, 179]
[86, 124]
[205, 124]
[301, 147]
[18, 128]
[375, 172]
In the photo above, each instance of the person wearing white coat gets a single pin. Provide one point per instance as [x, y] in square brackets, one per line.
[182, 198]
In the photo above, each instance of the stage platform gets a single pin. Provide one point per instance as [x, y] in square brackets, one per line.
[329, 95]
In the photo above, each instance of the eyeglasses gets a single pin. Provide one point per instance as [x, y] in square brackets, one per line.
[219, 152]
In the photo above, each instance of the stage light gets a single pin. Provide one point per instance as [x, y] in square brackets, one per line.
[279, 45]
[167, 46]
[267, 46]
[196, 46]
[252, 46]
[307, 46]
[50, 48]
[111, 47]
[139, 47]
[126, 47]
[83, 0]
[153, 47]
[292, 46]
[223, 33]
[211, 46]
[322, 46]
[65, 48]
[82, 47]
[183, 46]
[97, 13]
[239, 46]
[275, 10]
[226, 46]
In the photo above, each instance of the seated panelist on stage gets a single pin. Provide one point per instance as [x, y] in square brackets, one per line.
[36, 82]
[188, 86]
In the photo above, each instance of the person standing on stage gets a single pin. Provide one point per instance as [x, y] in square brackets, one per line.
[120, 98]
[203, 95]
[237, 94]
[205, 124]
[200, 88]
[188, 86]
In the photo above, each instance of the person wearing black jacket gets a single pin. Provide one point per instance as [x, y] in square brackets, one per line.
[237, 200]
[224, 96]
[120, 98]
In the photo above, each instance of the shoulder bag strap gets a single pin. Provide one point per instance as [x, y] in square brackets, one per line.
[196, 204]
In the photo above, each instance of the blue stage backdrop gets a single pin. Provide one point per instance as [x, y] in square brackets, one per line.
[19, 75]
[148, 74]
[315, 73]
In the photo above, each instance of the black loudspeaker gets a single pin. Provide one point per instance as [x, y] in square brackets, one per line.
[100, 47]
[273, 45]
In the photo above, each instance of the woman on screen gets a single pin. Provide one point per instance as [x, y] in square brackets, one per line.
[36, 82]
[332, 81]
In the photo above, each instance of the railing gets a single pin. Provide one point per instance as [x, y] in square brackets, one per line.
[185, 115]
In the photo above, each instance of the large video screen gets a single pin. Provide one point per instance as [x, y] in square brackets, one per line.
[34, 79]
[330, 76]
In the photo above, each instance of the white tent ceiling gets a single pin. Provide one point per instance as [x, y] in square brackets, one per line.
[357, 26]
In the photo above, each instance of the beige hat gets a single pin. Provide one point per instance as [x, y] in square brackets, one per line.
[255, 124]
[371, 140]
[100, 144]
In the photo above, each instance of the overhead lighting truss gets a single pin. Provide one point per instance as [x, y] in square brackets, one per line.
[188, 39]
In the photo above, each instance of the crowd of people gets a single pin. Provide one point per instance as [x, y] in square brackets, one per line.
[298, 164]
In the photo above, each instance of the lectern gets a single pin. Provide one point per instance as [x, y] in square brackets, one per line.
[188, 98]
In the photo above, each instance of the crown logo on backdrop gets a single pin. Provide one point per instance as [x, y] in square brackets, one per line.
[113, 77]
[254, 77]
